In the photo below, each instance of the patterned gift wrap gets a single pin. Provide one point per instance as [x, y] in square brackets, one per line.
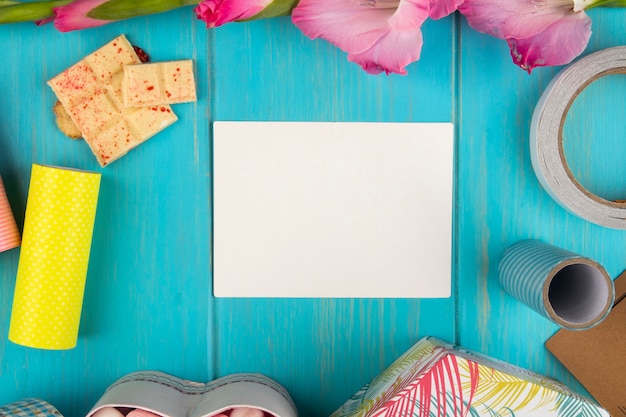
[436, 379]
[30, 407]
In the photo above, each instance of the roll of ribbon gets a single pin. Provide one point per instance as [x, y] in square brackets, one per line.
[52, 269]
[573, 291]
[9, 234]
[30, 407]
[546, 138]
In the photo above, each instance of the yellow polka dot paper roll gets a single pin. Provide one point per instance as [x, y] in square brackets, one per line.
[52, 270]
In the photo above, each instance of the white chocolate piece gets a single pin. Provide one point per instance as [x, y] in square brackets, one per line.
[246, 412]
[91, 92]
[159, 83]
[107, 412]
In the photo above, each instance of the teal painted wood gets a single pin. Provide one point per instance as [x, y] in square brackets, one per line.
[501, 201]
[323, 350]
[146, 299]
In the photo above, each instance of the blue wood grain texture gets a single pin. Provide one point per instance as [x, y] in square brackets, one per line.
[324, 350]
[500, 200]
[148, 302]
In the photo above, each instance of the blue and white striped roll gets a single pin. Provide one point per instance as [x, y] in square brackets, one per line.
[573, 291]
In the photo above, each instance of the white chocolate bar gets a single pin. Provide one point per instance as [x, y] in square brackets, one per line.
[157, 83]
[91, 92]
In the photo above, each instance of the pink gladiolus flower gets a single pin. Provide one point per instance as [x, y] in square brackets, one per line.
[442, 8]
[379, 35]
[74, 16]
[83, 14]
[538, 32]
[217, 12]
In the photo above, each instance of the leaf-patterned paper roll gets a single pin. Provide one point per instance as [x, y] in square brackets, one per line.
[9, 234]
[573, 291]
[52, 270]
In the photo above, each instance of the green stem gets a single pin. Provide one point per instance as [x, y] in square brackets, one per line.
[276, 8]
[14, 12]
[124, 9]
[590, 4]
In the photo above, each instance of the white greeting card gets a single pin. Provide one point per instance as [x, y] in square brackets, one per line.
[322, 209]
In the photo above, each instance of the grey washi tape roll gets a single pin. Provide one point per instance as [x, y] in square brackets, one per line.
[573, 291]
[546, 138]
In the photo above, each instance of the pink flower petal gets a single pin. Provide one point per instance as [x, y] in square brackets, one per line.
[409, 15]
[392, 53]
[378, 39]
[525, 25]
[73, 16]
[44, 21]
[559, 44]
[442, 8]
[511, 18]
[537, 34]
[345, 23]
[218, 12]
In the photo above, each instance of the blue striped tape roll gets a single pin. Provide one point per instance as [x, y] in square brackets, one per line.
[571, 290]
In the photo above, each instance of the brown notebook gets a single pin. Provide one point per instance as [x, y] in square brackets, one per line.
[597, 357]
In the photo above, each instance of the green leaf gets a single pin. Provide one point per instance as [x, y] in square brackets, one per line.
[124, 9]
[274, 9]
[571, 406]
[14, 12]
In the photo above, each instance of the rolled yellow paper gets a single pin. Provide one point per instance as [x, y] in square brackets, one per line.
[52, 270]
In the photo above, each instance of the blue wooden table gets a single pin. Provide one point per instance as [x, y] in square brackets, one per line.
[148, 300]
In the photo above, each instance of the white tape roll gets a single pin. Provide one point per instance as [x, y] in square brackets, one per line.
[546, 138]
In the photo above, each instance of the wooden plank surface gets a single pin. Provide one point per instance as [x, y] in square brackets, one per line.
[323, 350]
[501, 201]
[148, 301]
[147, 296]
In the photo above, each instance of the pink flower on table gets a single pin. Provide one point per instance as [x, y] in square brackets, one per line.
[73, 16]
[442, 8]
[83, 14]
[538, 32]
[218, 12]
[379, 35]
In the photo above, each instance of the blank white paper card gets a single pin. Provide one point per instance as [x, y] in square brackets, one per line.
[322, 209]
